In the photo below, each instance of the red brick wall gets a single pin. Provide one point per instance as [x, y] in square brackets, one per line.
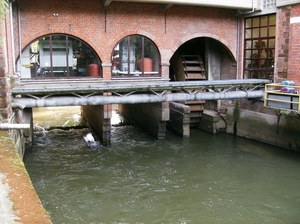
[103, 27]
[287, 55]
[294, 47]
[5, 69]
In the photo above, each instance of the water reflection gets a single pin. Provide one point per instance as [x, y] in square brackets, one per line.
[204, 179]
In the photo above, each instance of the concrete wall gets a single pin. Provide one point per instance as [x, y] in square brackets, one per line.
[280, 130]
[151, 117]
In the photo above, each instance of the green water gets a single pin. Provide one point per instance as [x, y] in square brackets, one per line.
[204, 179]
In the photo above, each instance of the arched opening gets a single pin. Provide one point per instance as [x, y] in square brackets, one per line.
[59, 56]
[202, 58]
[135, 56]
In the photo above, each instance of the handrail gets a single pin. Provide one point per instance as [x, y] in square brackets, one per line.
[280, 96]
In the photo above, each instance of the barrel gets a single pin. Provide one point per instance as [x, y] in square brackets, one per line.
[147, 62]
[93, 70]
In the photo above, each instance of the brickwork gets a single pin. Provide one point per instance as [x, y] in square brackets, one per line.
[5, 109]
[282, 44]
[287, 55]
[294, 47]
[102, 27]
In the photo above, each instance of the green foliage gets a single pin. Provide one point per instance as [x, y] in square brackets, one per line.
[4, 8]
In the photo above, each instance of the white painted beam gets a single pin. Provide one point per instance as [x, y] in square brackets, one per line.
[233, 4]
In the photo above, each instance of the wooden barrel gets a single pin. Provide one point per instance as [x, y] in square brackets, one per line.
[93, 70]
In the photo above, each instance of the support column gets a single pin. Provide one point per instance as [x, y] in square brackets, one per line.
[98, 118]
[151, 117]
[179, 119]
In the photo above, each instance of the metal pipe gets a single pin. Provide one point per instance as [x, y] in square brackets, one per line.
[8, 126]
[131, 99]
[12, 36]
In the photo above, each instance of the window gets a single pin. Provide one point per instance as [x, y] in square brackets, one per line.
[59, 56]
[135, 56]
[259, 47]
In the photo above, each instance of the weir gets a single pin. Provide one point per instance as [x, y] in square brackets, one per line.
[146, 102]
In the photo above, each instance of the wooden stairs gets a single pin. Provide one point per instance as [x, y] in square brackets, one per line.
[193, 67]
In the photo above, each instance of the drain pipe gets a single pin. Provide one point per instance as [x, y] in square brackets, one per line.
[12, 35]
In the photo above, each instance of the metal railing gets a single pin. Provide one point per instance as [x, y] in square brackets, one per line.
[280, 96]
[101, 93]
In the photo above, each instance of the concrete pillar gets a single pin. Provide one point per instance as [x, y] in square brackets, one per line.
[213, 60]
[28, 133]
[179, 122]
[98, 118]
[151, 117]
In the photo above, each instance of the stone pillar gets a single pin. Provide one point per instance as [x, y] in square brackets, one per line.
[179, 122]
[151, 117]
[98, 118]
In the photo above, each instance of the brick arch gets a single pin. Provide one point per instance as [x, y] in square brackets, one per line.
[118, 38]
[185, 39]
[86, 39]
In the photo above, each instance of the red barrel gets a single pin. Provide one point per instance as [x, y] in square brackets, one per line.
[147, 62]
[93, 70]
[147, 65]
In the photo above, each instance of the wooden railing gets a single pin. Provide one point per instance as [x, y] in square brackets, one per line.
[280, 96]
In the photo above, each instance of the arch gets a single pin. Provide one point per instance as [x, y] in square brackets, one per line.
[135, 55]
[201, 58]
[80, 35]
[58, 55]
[223, 41]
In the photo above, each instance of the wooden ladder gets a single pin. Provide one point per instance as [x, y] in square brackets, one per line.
[193, 67]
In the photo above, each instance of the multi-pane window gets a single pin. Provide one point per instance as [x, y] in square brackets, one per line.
[135, 56]
[59, 56]
[259, 47]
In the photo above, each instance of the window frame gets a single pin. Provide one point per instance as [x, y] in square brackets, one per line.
[136, 65]
[259, 47]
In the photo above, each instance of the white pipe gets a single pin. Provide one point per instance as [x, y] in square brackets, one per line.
[8, 126]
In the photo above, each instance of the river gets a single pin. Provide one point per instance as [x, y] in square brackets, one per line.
[138, 179]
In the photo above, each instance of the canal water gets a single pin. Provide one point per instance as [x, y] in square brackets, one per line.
[138, 179]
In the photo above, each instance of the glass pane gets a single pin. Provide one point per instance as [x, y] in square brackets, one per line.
[247, 75]
[264, 21]
[248, 23]
[58, 56]
[272, 20]
[264, 43]
[151, 58]
[255, 33]
[248, 54]
[272, 31]
[271, 43]
[248, 44]
[248, 33]
[248, 63]
[263, 32]
[138, 56]
[256, 22]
